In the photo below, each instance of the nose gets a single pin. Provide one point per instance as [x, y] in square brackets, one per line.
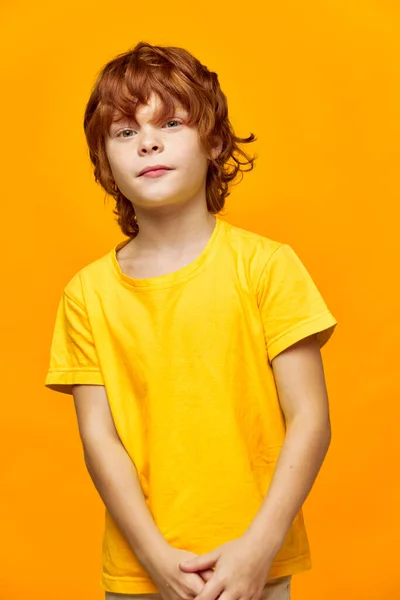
[150, 143]
[148, 148]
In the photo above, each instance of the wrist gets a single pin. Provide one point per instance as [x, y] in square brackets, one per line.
[269, 542]
[152, 555]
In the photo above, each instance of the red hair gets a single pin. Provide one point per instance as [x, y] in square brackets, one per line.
[172, 73]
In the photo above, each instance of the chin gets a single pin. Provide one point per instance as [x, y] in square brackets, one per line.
[152, 202]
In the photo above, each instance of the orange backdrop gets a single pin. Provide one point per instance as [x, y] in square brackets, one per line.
[318, 82]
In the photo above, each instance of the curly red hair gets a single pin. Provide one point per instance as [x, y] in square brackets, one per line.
[172, 73]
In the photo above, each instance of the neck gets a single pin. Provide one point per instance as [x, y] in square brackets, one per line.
[172, 232]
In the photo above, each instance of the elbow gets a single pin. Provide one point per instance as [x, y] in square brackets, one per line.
[324, 433]
[328, 431]
[319, 429]
[328, 439]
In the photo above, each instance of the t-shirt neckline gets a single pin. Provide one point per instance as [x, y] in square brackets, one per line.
[175, 277]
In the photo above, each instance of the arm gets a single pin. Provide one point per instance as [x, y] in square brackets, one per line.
[113, 472]
[115, 478]
[242, 565]
[300, 382]
[74, 368]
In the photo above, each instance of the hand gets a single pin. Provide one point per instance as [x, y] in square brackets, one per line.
[171, 582]
[241, 570]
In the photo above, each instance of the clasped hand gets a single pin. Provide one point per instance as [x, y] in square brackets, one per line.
[240, 570]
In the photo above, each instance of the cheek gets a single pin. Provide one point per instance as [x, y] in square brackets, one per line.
[118, 163]
[191, 156]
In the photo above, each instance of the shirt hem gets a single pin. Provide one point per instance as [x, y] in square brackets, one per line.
[62, 380]
[142, 585]
[323, 325]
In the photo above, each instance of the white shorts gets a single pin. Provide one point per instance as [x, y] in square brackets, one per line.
[276, 589]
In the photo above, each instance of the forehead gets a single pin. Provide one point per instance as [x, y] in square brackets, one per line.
[152, 111]
[156, 104]
[147, 111]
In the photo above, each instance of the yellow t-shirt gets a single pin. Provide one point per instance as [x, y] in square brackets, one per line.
[185, 358]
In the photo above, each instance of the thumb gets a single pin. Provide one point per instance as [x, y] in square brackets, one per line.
[206, 575]
[200, 563]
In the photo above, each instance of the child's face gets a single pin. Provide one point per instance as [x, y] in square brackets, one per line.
[132, 146]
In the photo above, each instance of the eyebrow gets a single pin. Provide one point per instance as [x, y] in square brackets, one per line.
[120, 122]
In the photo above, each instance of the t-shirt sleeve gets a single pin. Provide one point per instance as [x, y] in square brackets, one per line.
[73, 356]
[290, 303]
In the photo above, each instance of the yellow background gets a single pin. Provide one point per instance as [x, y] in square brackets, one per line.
[318, 83]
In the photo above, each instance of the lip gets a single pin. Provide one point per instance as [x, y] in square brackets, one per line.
[154, 168]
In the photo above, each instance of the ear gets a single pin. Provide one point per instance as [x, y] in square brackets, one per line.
[217, 148]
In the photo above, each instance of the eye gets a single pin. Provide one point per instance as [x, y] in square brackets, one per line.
[124, 131]
[173, 121]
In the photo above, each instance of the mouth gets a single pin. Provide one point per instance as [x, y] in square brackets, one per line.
[155, 171]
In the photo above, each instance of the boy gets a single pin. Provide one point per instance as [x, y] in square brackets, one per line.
[192, 351]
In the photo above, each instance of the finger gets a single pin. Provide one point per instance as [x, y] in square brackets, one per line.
[224, 596]
[212, 589]
[196, 583]
[206, 575]
[200, 563]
